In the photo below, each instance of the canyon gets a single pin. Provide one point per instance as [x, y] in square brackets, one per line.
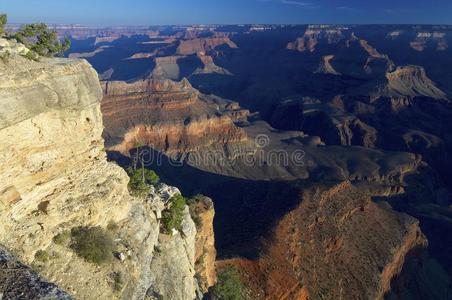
[322, 153]
[358, 114]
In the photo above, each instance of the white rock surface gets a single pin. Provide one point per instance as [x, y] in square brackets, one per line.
[54, 176]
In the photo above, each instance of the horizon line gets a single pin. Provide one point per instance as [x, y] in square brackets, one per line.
[231, 24]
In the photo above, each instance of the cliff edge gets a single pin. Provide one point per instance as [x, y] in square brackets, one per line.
[54, 179]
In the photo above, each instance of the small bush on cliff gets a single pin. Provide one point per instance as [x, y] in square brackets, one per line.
[62, 238]
[172, 216]
[229, 286]
[112, 226]
[93, 244]
[118, 281]
[141, 181]
[41, 41]
[5, 56]
[195, 209]
[3, 21]
[42, 256]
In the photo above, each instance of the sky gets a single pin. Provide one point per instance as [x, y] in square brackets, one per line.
[179, 12]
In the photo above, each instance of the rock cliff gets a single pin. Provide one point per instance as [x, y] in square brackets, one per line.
[55, 177]
[202, 209]
[336, 244]
[411, 81]
[182, 119]
[313, 36]
[196, 45]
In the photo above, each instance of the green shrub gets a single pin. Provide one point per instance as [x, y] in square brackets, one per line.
[3, 21]
[196, 218]
[93, 244]
[112, 226]
[31, 56]
[42, 256]
[195, 210]
[118, 281]
[229, 286]
[42, 41]
[5, 56]
[157, 249]
[198, 197]
[62, 238]
[141, 181]
[172, 216]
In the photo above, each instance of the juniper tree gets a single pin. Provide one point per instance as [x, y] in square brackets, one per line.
[42, 41]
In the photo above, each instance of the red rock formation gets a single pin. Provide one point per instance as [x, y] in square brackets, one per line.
[336, 244]
[193, 46]
[166, 115]
[312, 37]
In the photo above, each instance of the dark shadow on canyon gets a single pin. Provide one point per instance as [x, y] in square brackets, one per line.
[245, 210]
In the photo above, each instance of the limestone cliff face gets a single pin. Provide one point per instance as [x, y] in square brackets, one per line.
[54, 176]
[336, 244]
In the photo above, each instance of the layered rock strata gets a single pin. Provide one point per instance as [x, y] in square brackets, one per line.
[168, 116]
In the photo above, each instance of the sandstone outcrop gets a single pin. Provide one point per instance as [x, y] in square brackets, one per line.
[55, 176]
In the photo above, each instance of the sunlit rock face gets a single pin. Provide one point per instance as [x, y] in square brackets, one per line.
[196, 45]
[168, 116]
[55, 176]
